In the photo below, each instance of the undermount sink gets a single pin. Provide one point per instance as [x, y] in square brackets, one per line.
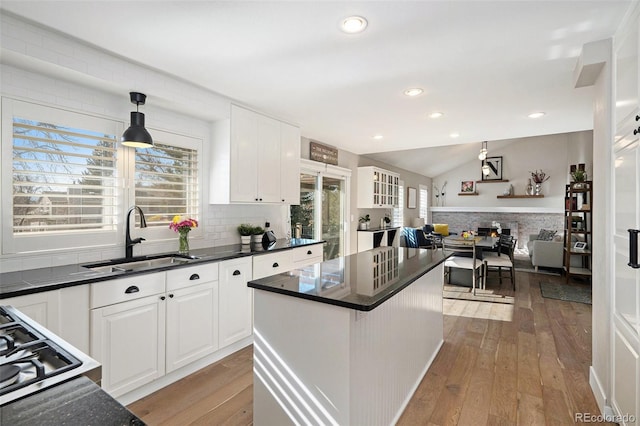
[138, 263]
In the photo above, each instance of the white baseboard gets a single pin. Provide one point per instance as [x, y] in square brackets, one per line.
[599, 392]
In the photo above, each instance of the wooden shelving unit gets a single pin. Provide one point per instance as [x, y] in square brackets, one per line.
[520, 196]
[575, 214]
[467, 193]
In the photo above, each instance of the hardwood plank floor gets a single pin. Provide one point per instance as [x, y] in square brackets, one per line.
[525, 364]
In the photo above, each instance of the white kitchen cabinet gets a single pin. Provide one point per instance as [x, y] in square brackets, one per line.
[65, 312]
[128, 331]
[192, 314]
[307, 255]
[249, 155]
[148, 325]
[290, 163]
[235, 309]
[265, 265]
[377, 188]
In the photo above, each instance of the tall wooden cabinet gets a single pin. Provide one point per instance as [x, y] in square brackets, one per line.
[577, 229]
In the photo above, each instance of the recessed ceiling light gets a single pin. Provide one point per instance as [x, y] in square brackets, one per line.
[536, 115]
[378, 137]
[436, 114]
[354, 24]
[454, 135]
[414, 91]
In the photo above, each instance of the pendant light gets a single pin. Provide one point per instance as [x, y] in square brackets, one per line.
[136, 135]
[483, 151]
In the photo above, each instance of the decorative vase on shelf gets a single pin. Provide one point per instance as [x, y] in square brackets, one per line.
[529, 190]
[538, 189]
[183, 241]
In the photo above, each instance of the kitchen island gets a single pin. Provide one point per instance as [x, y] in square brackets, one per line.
[346, 341]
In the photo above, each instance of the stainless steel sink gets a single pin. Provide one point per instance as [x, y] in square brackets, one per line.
[139, 263]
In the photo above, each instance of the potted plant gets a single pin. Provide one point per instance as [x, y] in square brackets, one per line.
[539, 177]
[246, 231]
[579, 177]
[256, 236]
[386, 220]
[364, 222]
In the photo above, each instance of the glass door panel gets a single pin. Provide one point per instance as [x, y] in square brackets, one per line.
[332, 217]
[302, 216]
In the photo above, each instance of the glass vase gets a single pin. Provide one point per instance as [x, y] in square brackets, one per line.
[183, 240]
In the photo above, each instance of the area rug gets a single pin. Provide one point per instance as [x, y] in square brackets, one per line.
[464, 293]
[568, 293]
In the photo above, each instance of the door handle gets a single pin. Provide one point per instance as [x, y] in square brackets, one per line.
[236, 272]
[633, 248]
[132, 289]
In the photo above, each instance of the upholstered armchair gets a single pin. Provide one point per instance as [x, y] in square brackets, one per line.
[548, 254]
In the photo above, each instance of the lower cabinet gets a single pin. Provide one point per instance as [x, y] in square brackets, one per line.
[129, 340]
[235, 300]
[153, 324]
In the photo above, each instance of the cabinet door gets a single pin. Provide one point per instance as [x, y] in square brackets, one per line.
[235, 303]
[128, 339]
[244, 155]
[268, 160]
[192, 324]
[289, 164]
[43, 308]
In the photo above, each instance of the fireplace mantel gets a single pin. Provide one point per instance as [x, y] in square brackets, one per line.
[502, 209]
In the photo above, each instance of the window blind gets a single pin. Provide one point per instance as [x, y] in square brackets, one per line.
[166, 183]
[63, 178]
[424, 202]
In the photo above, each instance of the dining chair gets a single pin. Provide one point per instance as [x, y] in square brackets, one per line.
[504, 260]
[465, 256]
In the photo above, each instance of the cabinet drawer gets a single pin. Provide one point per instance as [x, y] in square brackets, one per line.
[193, 275]
[115, 291]
[270, 264]
[308, 255]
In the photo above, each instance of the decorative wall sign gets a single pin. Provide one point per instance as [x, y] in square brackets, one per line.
[411, 198]
[495, 168]
[323, 153]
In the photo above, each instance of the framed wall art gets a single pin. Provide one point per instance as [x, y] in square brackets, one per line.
[412, 196]
[494, 165]
[467, 186]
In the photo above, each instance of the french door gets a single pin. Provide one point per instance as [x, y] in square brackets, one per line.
[323, 207]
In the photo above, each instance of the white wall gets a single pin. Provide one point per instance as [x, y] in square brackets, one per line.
[551, 153]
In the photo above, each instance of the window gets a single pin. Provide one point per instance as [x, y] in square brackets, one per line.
[70, 182]
[398, 212]
[424, 202]
[166, 181]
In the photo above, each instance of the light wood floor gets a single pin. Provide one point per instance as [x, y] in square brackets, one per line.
[525, 364]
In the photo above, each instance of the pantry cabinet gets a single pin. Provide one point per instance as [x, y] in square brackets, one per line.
[254, 159]
[235, 300]
[377, 188]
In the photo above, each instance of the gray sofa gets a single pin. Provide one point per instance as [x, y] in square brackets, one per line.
[548, 254]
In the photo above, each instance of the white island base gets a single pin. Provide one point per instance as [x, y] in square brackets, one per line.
[316, 363]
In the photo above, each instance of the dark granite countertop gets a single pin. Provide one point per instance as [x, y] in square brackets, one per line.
[379, 229]
[360, 281]
[31, 281]
[78, 401]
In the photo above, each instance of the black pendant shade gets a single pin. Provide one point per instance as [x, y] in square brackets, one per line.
[136, 135]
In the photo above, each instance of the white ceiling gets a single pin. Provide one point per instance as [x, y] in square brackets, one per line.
[485, 64]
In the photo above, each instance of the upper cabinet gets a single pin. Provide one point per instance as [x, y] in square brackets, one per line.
[254, 159]
[377, 188]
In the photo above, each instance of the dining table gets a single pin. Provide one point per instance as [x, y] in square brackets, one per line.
[483, 244]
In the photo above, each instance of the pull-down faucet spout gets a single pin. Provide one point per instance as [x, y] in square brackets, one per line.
[128, 242]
